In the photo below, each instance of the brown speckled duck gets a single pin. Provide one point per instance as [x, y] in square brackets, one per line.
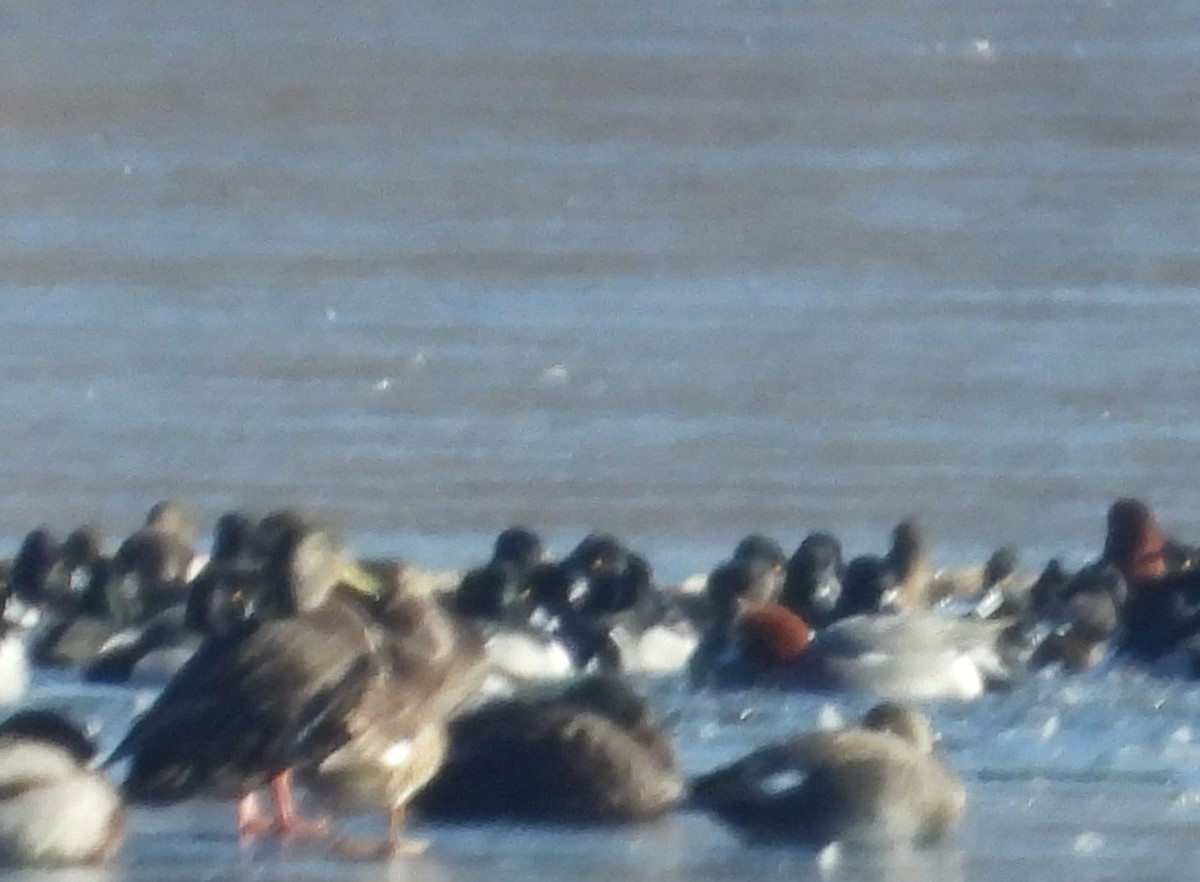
[877, 785]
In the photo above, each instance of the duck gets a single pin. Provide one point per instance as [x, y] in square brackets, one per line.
[54, 809]
[218, 582]
[596, 609]
[751, 577]
[229, 722]
[147, 655]
[627, 625]
[1134, 542]
[392, 738]
[912, 656]
[28, 589]
[152, 567]
[518, 601]
[587, 753]
[876, 785]
[498, 590]
[812, 584]
[1160, 602]
[900, 579]
[1084, 624]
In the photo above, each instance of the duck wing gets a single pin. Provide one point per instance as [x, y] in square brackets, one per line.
[230, 719]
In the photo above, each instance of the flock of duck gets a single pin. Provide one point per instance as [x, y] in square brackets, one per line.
[506, 694]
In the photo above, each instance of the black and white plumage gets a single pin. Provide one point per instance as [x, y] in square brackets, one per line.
[54, 810]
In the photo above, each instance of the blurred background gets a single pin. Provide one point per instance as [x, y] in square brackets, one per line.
[679, 270]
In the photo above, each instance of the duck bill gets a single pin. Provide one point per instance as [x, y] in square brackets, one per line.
[826, 594]
[358, 579]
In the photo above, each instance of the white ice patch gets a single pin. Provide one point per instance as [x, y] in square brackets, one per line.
[1088, 843]
[1050, 727]
[829, 718]
[14, 669]
[829, 857]
[780, 782]
[398, 753]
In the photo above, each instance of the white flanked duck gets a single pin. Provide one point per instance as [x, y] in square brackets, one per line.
[54, 811]
[876, 785]
[911, 656]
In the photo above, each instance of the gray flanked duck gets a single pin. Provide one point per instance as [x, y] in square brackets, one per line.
[875, 785]
[589, 753]
[54, 810]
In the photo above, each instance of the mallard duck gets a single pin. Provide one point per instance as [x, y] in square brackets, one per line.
[230, 721]
[875, 785]
[392, 734]
[591, 753]
[54, 810]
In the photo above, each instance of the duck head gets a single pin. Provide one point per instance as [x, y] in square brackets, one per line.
[812, 585]
[596, 553]
[764, 558]
[35, 558]
[301, 570]
[520, 547]
[231, 536]
[170, 516]
[769, 636]
[903, 721]
[1134, 542]
[908, 550]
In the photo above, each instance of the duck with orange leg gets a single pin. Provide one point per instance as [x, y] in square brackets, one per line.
[227, 724]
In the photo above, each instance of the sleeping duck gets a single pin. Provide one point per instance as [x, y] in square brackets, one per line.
[229, 723]
[54, 810]
[591, 753]
[876, 785]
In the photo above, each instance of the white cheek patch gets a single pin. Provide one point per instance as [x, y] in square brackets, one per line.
[781, 782]
[397, 754]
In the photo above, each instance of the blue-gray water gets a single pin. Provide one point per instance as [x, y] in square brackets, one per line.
[680, 269]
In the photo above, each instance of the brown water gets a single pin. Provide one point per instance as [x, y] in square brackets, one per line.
[679, 270]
